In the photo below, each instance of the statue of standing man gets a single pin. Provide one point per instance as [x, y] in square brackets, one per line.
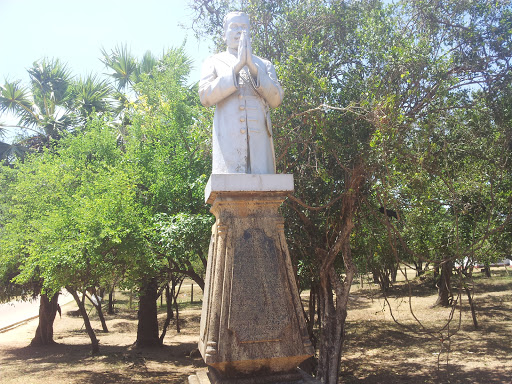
[243, 87]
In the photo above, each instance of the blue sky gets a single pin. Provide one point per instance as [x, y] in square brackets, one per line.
[75, 31]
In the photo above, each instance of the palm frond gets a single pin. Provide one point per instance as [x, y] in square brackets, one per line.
[146, 66]
[120, 101]
[124, 65]
[91, 94]
[15, 98]
[50, 81]
[10, 151]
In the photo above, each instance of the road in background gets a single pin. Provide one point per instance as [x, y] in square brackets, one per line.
[17, 312]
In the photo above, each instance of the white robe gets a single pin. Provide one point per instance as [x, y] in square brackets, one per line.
[242, 132]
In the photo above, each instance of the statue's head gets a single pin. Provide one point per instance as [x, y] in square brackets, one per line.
[234, 24]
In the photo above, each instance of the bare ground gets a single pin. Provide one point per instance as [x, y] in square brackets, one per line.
[377, 350]
[70, 361]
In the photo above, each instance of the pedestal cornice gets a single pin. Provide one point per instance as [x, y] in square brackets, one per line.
[247, 184]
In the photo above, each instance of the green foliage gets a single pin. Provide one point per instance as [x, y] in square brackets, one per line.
[90, 95]
[14, 98]
[89, 210]
[165, 145]
[122, 63]
[127, 70]
[402, 106]
[184, 236]
[52, 105]
[73, 216]
[387, 106]
[163, 142]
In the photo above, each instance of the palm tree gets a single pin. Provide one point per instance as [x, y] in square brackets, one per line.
[91, 95]
[41, 109]
[51, 105]
[9, 152]
[127, 69]
[127, 72]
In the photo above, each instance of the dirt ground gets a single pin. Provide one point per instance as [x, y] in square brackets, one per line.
[70, 361]
[377, 350]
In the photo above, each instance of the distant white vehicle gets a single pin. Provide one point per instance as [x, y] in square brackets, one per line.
[501, 263]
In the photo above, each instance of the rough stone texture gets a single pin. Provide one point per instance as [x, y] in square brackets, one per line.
[252, 325]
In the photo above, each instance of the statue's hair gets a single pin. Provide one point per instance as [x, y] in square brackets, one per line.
[232, 14]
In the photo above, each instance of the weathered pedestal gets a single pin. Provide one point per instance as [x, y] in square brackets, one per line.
[252, 324]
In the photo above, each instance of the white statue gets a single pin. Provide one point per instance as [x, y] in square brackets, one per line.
[243, 87]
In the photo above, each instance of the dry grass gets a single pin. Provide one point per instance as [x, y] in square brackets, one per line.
[377, 350]
[427, 350]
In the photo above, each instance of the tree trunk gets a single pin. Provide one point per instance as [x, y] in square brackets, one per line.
[331, 338]
[418, 266]
[96, 302]
[198, 279]
[381, 277]
[436, 276]
[471, 306]
[334, 315]
[147, 329]
[95, 344]
[47, 311]
[170, 314]
[394, 272]
[110, 310]
[334, 309]
[310, 319]
[175, 291]
[375, 276]
[319, 309]
[189, 271]
[444, 297]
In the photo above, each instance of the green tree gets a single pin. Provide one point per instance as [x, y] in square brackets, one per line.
[104, 200]
[165, 144]
[51, 105]
[364, 83]
[127, 70]
[74, 219]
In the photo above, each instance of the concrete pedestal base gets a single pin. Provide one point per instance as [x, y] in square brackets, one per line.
[296, 377]
[252, 325]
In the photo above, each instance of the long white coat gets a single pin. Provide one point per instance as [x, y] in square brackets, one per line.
[242, 132]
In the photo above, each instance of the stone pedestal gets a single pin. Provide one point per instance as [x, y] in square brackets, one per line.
[252, 325]
[297, 377]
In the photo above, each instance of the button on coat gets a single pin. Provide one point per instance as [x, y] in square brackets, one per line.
[242, 132]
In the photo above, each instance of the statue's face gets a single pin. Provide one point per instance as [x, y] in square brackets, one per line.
[235, 26]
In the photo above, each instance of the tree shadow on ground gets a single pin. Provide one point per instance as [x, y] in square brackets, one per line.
[417, 373]
[415, 288]
[356, 301]
[385, 352]
[365, 333]
[102, 377]
[490, 286]
[424, 286]
[150, 377]
[141, 363]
